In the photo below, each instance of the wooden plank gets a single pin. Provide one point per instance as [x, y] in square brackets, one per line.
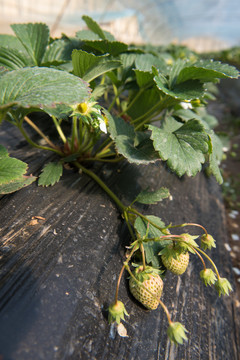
[58, 276]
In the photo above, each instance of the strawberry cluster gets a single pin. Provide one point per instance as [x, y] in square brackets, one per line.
[146, 282]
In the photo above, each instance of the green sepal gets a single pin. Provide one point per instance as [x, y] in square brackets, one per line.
[223, 286]
[208, 277]
[187, 244]
[207, 242]
[177, 333]
[116, 312]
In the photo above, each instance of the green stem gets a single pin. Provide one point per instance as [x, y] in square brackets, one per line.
[74, 132]
[80, 131]
[59, 129]
[102, 185]
[125, 214]
[104, 160]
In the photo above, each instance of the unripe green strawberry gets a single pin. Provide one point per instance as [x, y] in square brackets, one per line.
[176, 266]
[148, 281]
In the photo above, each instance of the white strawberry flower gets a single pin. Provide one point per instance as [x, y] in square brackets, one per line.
[186, 105]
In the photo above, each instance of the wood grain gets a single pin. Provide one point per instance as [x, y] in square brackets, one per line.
[58, 276]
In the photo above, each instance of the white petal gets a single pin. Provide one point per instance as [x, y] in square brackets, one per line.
[186, 105]
[103, 127]
[122, 331]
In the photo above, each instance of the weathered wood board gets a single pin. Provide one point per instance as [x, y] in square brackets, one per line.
[58, 276]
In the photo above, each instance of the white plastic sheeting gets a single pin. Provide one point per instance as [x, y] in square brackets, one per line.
[154, 21]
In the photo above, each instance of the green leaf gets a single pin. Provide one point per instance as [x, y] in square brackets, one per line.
[152, 248]
[51, 174]
[141, 226]
[89, 35]
[144, 103]
[186, 115]
[188, 90]
[144, 78]
[3, 151]
[215, 157]
[89, 66]
[41, 87]
[82, 61]
[14, 59]
[11, 42]
[11, 169]
[113, 48]
[207, 70]
[152, 197]
[60, 50]
[145, 62]
[142, 153]
[118, 126]
[176, 68]
[34, 37]
[182, 146]
[15, 185]
[92, 25]
[101, 68]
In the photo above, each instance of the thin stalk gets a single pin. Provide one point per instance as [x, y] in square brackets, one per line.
[122, 270]
[32, 143]
[117, 93]
[143, 256]
[188, 224]
[104, 160]
[59, 129]
[103, 145]
[102, 185]
[125, 214]
[200, 257]
[36, 128]
[115, 97]
[209, 259]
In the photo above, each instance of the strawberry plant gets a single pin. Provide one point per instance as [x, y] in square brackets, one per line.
[109, 102]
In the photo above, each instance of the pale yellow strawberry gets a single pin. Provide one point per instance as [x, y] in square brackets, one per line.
[177, 266]
[147, 279]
